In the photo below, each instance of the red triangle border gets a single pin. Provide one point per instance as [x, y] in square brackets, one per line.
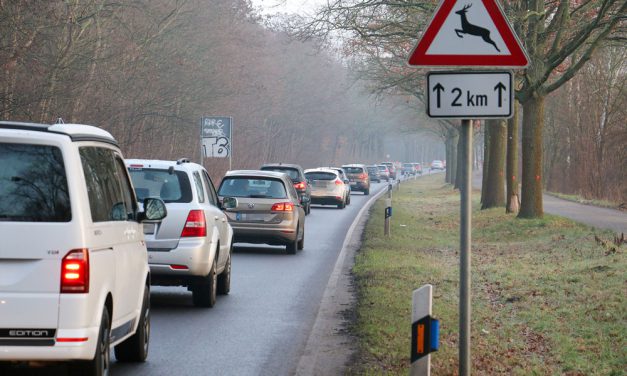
[517, 57]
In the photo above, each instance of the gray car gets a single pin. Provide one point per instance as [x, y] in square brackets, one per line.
[268, 209]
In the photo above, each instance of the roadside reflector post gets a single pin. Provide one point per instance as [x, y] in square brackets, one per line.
[388, 214]
[424, 332]
[389, 190]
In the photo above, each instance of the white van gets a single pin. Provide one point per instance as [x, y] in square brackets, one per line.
[74, 277]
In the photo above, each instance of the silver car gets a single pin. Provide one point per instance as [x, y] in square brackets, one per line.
[268, 208]
[192, 246]
[327, 188]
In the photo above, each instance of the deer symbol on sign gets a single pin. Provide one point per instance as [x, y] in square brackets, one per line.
[470, 29]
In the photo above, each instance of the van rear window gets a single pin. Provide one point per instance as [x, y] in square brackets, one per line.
[354, 170]
[33, 184]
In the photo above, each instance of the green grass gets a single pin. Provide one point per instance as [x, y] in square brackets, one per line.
[547, 299]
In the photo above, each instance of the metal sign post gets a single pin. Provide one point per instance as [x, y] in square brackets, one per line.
[464, 248]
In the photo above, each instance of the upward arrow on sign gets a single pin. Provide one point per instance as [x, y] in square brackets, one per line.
[469, 33]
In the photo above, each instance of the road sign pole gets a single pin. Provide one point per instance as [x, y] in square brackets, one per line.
[465, 241]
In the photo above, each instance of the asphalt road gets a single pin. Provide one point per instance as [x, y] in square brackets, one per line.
[262, 326]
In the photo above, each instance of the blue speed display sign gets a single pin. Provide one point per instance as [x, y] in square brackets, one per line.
[470, 95]
[216, 132]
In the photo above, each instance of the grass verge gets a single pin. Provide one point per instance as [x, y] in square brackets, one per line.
[547, 299]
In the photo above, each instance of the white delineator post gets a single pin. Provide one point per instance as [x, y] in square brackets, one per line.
[421, 307]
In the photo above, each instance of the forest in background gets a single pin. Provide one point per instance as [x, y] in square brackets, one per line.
[148, 70]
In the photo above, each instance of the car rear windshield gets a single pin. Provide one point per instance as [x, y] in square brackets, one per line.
[291, 172]
[33, 184]
[320, 176]
[382, 168]
[372, 169]
[353, 170]
[152, 182]
[252, 188]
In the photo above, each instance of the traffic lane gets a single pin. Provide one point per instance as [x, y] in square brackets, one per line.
[261, 328]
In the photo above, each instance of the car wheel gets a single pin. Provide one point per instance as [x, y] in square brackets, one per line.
[348, 199]
[292, 247]
[341, 205]
[367, 192]
[224, 279]
[135, 348]
[308, 208]
[204, 294]
[99, 365]
[301, 242]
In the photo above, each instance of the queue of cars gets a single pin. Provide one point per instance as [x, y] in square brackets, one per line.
[107, 229]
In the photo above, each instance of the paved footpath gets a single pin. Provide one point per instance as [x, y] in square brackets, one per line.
[604, 218]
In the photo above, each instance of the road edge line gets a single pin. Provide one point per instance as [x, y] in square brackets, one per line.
[308, 359]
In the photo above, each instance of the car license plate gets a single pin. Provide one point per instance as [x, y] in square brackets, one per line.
[249, 217]
[353, 183]
[149, 228]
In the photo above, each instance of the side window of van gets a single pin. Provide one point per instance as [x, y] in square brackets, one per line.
[106, 200]
[127, 191]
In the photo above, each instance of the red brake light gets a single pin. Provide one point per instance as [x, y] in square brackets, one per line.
[300, 185]
[283, 206]
[195, 225]
[338, 182]
[75, 272]
[363, 176]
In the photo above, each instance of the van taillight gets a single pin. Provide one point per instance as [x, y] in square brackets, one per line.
[300, 185]
[283, 206]
[195, 224]
[362, 176]
[75, 272]
[338, 182]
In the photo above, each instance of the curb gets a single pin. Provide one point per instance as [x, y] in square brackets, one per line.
[318, 356]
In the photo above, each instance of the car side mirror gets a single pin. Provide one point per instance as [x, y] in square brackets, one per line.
[154, 210]
[229, 203]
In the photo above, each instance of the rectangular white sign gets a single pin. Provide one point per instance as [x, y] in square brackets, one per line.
[216, 132]
[470, 95]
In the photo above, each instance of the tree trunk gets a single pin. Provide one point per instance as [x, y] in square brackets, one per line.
[495, 184]
[457, 172]
[486, 160]
[533, 122]
[512, 161]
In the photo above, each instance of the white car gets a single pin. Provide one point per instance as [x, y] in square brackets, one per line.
[74, 277]
[327, 187]
[192, 246]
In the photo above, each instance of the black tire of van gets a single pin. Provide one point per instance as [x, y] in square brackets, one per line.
[99, 365]
[135, 347]
[204, 294]
[367, 192]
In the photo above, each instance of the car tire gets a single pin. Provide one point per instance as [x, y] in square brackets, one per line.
[135, 348]
[367, 192]
[301, 243]
[204, 294]
[308, 208]
[341, 205]
[348, 199]
[224, 279]
[292, 247]
[100, 364]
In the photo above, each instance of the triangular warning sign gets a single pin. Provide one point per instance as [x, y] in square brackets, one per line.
[469, 33]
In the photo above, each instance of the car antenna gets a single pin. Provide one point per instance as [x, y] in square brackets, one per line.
[59, 121]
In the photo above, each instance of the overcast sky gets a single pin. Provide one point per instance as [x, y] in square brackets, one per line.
[304, 7]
